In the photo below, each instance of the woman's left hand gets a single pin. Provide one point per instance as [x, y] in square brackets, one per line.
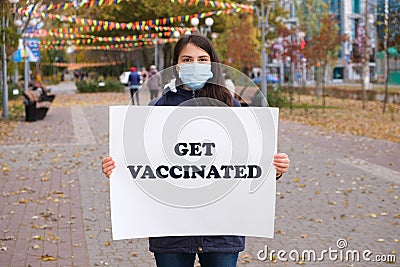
[281, 162]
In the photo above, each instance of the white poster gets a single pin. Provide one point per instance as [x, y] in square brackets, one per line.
[192, 171]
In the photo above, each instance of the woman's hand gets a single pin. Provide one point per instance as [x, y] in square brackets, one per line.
[107, 166]
[281, 162]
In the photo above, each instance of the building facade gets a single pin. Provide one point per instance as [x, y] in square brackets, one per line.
[351, 19]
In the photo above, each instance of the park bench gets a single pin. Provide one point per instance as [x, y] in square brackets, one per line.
[37, 102]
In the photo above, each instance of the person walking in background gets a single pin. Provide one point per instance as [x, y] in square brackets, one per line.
[144, 75]
[154, 82]
[134, 84]
[229, 84]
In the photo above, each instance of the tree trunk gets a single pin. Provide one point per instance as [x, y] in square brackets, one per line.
[387, 71]
[318, 82]
[323, 85]
[365, 60]
[167, 55]
[387, 59]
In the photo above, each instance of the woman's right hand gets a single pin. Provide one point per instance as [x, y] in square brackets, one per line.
[107, 166]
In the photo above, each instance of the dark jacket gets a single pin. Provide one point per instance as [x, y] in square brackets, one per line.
[192, 244]
[171, 98]
[134, 78]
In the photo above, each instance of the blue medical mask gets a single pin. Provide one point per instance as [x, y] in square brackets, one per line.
[195, 75]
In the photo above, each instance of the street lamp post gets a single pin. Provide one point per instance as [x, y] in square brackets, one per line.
[4, 49]
[202, 30]
[27, 67]
[5, 86]
[156, 51]
[304, 72]
[263, 24]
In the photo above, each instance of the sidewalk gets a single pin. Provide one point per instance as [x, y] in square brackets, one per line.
[55, 201]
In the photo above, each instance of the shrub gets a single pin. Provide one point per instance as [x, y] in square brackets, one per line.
[94, 87]
[275, 96]
[11, 96]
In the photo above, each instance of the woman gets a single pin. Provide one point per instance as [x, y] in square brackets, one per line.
[197, 77]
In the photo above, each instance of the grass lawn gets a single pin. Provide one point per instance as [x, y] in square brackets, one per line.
[347, 116]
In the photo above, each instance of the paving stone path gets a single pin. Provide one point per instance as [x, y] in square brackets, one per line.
[55, 211]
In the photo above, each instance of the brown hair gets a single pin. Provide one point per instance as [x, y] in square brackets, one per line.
[214, 87]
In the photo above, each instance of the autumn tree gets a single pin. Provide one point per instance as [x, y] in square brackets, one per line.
[323, 39]
[237, 45]
[324, 48]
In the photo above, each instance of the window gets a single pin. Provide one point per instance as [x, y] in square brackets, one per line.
[356, 6]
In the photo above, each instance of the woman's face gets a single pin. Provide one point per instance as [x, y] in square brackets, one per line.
[194, 75]
[193, 54]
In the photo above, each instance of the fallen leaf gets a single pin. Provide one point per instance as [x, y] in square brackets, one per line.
[8, 238]
[280, 232]
[107, 244]
[47, 258]
[5, 170]
[372, 215]
[246, 256]
[52, 237]
[37, 237]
